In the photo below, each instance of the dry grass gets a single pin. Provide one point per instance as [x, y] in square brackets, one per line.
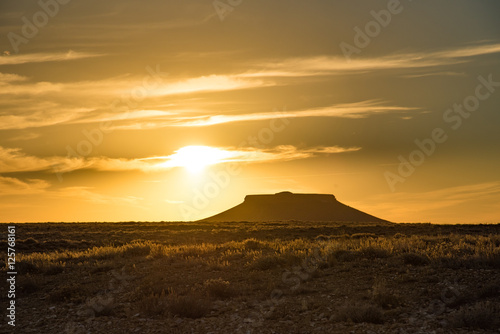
[176, 269]
[218, 289]
[154, 304]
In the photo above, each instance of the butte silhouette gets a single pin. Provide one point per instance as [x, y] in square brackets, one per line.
[286, 206]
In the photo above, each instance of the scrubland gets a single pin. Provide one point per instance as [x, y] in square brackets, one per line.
[276, 277]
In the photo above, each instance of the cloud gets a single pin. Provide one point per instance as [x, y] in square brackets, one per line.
[12, 160]
[328, 65]
[10, 186]
[361, 109]
[467, 51]
[430, 74]
[222, 155]
[347, 110]
[114, 99]
[40, 118]
[208, 84]
[99, 95]
[45, 57]
[31, 89]
[14, 186]
[126, 116]
[290, 152]
[9, 77]
[25, 136]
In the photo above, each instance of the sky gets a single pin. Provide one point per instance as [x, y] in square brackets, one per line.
[175, 110]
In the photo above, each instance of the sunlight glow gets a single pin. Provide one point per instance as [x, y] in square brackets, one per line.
[196, 158]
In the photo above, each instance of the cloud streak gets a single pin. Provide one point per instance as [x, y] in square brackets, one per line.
[99, 95]
[14, 186]
[13, 160]
[361, 109]
[328, 65]
[45, 57]
[347, 110]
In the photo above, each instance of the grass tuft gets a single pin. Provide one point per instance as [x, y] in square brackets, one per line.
[218, 288]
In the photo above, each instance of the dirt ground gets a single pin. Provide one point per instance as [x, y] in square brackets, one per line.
[281, 277]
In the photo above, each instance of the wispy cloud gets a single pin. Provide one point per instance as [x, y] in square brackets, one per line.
[9, 77]
[31, 88]
[99, 95]
[467, 51]
[14, 186]
[14, 160]
[208, 84]
[45, 57]
[361, 109]
[25, 136]
[104, 100]
[223, 155]
[45, 116]
[328, 65]
[10, 186]
[347, 110]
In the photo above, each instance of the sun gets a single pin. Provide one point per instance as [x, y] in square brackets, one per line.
[196, 158]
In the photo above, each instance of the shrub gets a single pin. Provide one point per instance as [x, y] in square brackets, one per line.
[218, 288]
[322, 237]
[344, 255]
[154, 304]
[363, 235]
[252, 244]
[371, 252]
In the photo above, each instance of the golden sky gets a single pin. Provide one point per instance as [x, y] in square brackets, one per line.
[175, 110]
